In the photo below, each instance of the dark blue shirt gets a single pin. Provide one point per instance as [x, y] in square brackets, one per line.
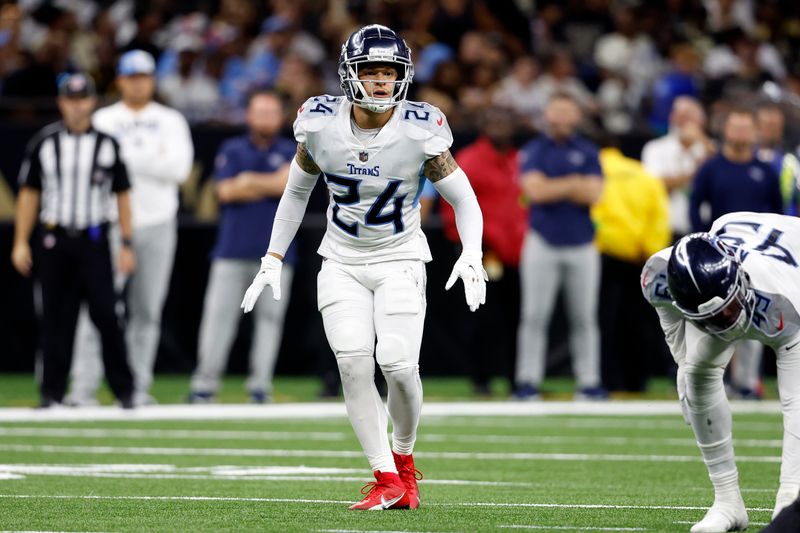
[245, 227]
[728, 187]
[561, 223]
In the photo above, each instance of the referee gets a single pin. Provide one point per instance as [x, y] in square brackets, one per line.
[69, 178]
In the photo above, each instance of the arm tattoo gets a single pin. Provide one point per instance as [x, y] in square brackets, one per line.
[439, 167]
[305, 161]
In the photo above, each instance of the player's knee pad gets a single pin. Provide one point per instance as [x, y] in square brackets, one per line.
[393, 352]
[403, 378]
[346, 336]
[704, 386]
[356, 370]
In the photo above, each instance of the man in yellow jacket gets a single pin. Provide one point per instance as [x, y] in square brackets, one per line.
[632, 223]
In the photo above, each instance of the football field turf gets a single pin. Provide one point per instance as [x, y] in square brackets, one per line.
[278, 468]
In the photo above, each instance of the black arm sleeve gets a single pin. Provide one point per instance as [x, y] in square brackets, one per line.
[119, 178]
[30, 173]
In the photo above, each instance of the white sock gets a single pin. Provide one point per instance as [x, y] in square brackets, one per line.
[366, 411]
[405, 404]
[710, 416]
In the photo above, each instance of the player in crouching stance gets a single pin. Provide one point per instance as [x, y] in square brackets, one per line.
[740, 280]
[374, 149]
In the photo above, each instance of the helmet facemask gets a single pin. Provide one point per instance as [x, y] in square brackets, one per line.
[356, 92]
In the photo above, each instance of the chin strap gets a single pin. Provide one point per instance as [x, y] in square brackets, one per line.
[377, 108]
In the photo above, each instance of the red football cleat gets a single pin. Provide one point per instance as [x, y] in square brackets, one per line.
[409, 476]
[387, 492]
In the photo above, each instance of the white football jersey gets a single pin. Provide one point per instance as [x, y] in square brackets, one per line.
[768, 246]
[373, 214]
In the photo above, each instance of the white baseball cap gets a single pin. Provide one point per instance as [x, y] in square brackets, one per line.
[136, 62]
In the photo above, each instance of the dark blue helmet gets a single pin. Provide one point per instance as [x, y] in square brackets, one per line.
[375, 44]
[709, 286]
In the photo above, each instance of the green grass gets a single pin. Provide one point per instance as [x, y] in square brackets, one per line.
[170, 462]
[19, 390]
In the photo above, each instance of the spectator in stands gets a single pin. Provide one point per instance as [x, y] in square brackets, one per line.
[297, 81]
[443, 90]
[251, 173]
[157, 149]
[189, 89]
[772, 149]
[632, 223]
[629, 63]
[682, 78]
[740, 65]
[676, 157]
[559, 77]
[562, 178]
[736, 180]
[518, 90]
[492, 165]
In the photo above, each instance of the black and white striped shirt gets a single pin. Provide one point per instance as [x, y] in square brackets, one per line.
[77, 175]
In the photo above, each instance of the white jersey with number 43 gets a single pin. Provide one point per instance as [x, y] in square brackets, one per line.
[373, 214]
[768, 246]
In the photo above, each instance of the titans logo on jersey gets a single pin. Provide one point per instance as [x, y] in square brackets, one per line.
[375, 187]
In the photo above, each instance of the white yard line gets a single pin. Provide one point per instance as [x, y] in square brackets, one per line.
[673, 423]
[326, 410]
[689, 522]
[221, 473]
[574, 528]
[297, 500]
[341, 454]
[192, 434]
[367, 531]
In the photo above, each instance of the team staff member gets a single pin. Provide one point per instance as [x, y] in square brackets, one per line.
[632, 223]
[251, 174]
[562, 178]
[157, 149]
[492, 166]
[68, 179]
[736, 180]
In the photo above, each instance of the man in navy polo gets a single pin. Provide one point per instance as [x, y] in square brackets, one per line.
[736, 180]
[251, 174]
[561, 176]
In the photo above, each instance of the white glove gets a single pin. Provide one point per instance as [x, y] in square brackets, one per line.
[270, 274]
[469, 268]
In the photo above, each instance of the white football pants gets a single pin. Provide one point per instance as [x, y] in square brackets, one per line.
[360, 303]
[710, 415]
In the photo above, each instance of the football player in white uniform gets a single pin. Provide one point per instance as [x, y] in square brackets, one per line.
[374, 149]
[739, 281]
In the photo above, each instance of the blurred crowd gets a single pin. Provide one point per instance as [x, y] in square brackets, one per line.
[624, 61]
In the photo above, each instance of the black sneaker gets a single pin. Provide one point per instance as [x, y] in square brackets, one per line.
[527, 392]
[199, 397]
[591, 394]
[126, 402]
[260, 397]
[47, 402]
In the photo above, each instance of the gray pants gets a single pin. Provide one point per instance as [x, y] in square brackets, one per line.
[227, 284]
[543, 271]
[155, 253]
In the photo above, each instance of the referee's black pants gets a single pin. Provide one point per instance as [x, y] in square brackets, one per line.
[73, 267]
